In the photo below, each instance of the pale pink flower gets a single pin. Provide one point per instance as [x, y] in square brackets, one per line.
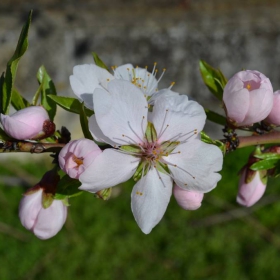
[248, 98]
[274, 115]
[28, 123]
[155, 147]
[44, 223]
[251, 192]
[188, 200]
[77, 155]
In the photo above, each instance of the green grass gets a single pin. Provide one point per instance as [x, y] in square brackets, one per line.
[101, 240]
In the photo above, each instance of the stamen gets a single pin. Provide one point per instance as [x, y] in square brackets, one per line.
[163, 71]
[175, 165]
[186, 140]
[135, 132]
[172, 84]
[155, 64]
[162, 131]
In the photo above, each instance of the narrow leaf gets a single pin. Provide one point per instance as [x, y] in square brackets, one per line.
[268, 156]
[213, 79]
[70, 104]
[215, 117]
[7, 86]
[47, 88]
[207, 139]
[264, 164]
[18, 101]
[84, 122]
[99, 62]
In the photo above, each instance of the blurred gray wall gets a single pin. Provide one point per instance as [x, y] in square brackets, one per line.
[231, 35]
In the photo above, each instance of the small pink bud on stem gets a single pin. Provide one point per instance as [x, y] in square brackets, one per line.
[248, 98]
[29, 123]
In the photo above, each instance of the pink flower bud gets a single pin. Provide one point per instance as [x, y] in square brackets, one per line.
[188, 200]
[274, 116]
[248, 98]
[44, 223]
[77, 155]
[29, 123]
[250, 192]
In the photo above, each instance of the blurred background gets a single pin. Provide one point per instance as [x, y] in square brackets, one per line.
[101, 239]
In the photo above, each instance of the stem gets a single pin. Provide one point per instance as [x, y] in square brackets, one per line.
[269, 138]
[30, 147]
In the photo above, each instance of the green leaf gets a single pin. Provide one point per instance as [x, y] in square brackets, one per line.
[264, 164]
[10, 75]
[3, 135]
[99, 62]
[213, 79]
[47, 87]
[18, 101]
[214, 117]
[206, 139]
[84, 122]
[269, 156]
[70, 104]
[67, 187]
[151, 134]
[37, 95]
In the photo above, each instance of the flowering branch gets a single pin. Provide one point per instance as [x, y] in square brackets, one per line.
[270, 138]
[30, 147]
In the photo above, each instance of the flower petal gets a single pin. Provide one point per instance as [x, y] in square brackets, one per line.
[123, 72]
[237, 104]
[107, 170]
[175, 117]
[97, 134]
[149, 199]
[195, 167]
[143, 79]
[85, 79]
[50, 220]
[261, 103]
[29, 207]
[121, 114]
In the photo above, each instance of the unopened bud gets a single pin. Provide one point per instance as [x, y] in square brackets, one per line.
[39, 212]
[248, 98]
[77, 155]
[29, 123]
[188, 200]
[252, 185]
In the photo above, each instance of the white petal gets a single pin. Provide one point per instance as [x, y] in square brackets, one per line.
[196, 166]
[124, 72]
[176, 118]
[107, 170]
[122, 113]
[85, 79]
[149, 199]
[143, 79]
[97, 134]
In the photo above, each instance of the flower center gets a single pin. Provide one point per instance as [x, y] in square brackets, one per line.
[251, 85]
[78, 161]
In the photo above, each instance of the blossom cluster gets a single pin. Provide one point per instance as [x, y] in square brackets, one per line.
[151, 136]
